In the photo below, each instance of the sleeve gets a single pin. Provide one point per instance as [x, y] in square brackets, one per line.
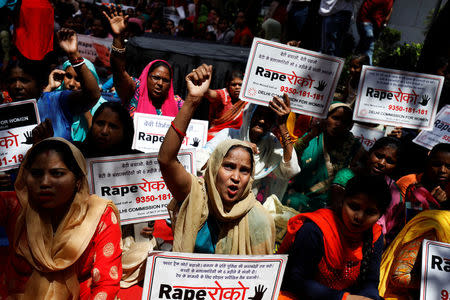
[288, 169]
[307, 252]
[221, 98]
[107, 268]
[343, 176]
[63, 102]
[369, 288]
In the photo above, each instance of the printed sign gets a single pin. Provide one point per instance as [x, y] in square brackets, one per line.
[397, 98]
[150, 130]
[172, 275]
[440, 133]
[94, 48]
[308, 78]
[366, 135]
[435, 283]
[17, 120]
[134, 183]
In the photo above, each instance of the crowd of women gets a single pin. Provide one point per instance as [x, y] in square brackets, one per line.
[359, 217]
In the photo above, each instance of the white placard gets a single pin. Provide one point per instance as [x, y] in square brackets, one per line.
[440, 133]
[435, 282]
[172, 275]
[308, 78]
[366, 135]
[134, 183]
[150, 130]
[397, 98]
[17, 120]
[93, 48]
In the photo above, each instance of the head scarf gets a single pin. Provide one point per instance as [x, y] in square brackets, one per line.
[88, 64]
[169, 107]
[53, 255]
[246, 229]
[272, 30]
[335, 104]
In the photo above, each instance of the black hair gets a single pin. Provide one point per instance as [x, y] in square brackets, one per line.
[127, 123]
[387, 141]
[161, 64]
[35, 69]
[234, 74]
[377, 190]
[59, 147]
[248, 149]
[439, 148]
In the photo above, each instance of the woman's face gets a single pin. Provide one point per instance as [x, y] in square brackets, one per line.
[355, 67]
[70, 80]
[22, 86]
[383, 161]
[262, 119]
[338, 122]
[107, 130]
[97, 28]
[359, 213]
[438, 169]
[49, 181]
[233, 176]
[158, 83]
[234, 88]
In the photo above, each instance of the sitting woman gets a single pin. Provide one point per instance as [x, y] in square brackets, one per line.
[275, 164]
[401, 263]
[328, 147]
[382, 160]
[336, 254]
[152, 93]
[217, 214]
[65, 243]
[431, 189]
[225, 107]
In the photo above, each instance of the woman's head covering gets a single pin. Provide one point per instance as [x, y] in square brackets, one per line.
[88, 64]
[272, 30]
[53, 255]
[336, 104]
[235, 236]
[145, 105]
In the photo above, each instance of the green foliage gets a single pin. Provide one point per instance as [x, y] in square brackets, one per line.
[389, 53]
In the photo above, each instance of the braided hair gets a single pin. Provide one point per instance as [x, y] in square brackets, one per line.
[377, 190]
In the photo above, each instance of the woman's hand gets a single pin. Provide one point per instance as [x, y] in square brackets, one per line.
[117, 20]
[42, 131]
[439, 194]
[281, 107]
[396, 133]
[55, 80]
[294, 43]
[148, 231]
[316, 127]
[198, 81]
[68, 42]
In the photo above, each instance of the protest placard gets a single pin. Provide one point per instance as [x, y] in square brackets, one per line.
[440, 132]
[134, 183]
[172, 275]
[308, 78]
[366, 135]
[397, 98]
[150, 130]
[17, 120]
[93, 48]
[435, 281]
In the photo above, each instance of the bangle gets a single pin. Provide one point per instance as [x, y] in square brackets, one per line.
[77, 65]
[117, 50]
[180, 133]
[76, 61]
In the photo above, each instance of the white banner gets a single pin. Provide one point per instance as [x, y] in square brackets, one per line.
[435, 282]
[150, 130]
[17, 120]
[308, 78]
[440, 133]
[397, 98]
[134, 183]
[366, 135]
[94, 48]
[171, 275]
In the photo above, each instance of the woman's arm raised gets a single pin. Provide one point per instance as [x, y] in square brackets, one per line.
[177, 179]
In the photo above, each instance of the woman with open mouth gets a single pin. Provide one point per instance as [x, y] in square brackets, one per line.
[217, 213]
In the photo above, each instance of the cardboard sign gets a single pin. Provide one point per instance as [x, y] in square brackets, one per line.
[440, 133]
[17, 120]
[308, 78]
[150, 130]
[366, 135]
[92, 48]
[172, 275]
[134, 183]
[435, 282]
[397, 98]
